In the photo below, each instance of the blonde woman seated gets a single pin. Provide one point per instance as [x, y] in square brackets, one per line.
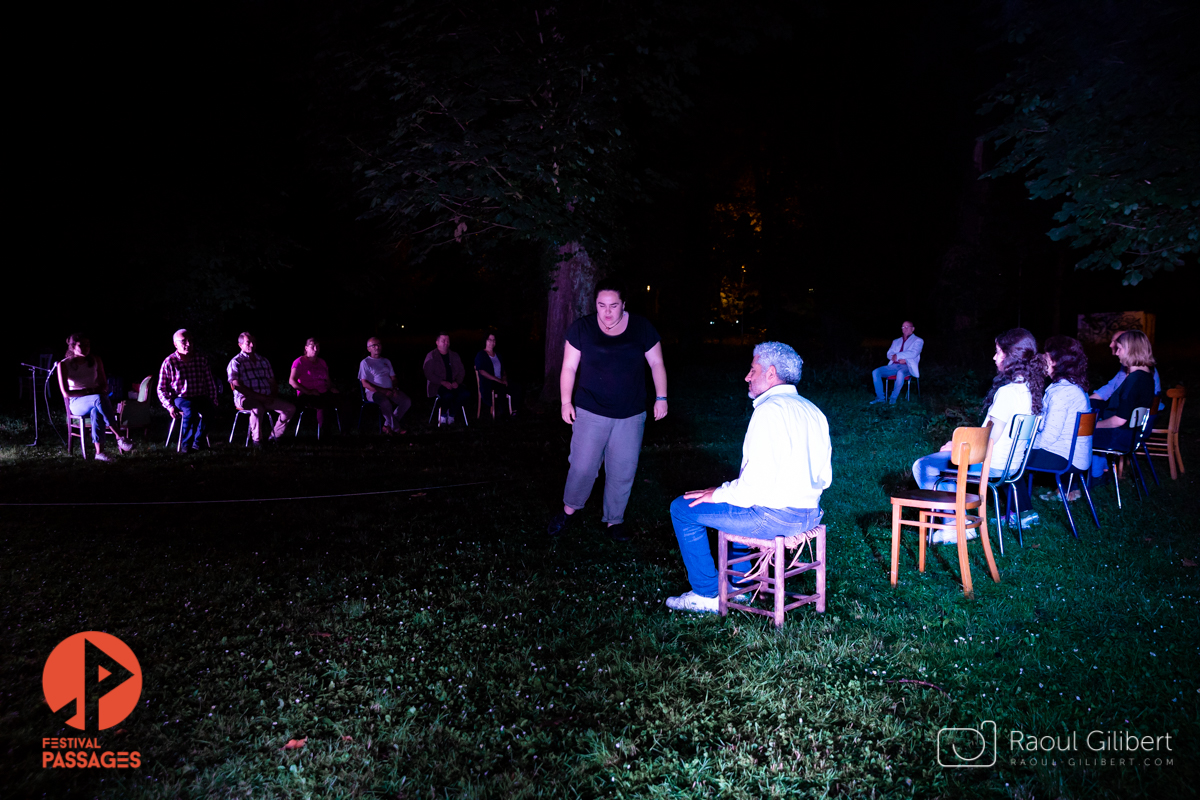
[83, 383]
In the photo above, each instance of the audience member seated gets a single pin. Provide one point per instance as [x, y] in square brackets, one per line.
[1016, 389]
[255, 390]
[1135, 391]
[1065, 398]
[378, 378]
[904, 356]
[494, 385]
[786, 464]
[1101, 396]
[444, 373]
[310, 379]
[83, 383]
[187, 390]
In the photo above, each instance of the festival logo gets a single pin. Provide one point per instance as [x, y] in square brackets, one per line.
[92, 681]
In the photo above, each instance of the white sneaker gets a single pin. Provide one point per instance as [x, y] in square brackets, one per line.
[693, 602]
[943, 536]
[441, 419]
[101, 457]
[124, 445]
[450, 418]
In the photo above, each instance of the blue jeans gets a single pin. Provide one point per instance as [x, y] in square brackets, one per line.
[191, 423]
[900, 371]
[99, 408]
[926, 470]
[691, 529]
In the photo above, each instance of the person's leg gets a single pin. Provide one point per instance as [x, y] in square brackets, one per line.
[926, 469]
[877, 377]
[589, 436]
[401, 404]
[188, 422]
[620, 465]
[256, 410]
[1042, 460]
[691, 531]
[898, 385]
[386, 408]
[286, 412]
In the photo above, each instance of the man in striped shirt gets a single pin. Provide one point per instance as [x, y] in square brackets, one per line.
[254, 390]
[187, 390]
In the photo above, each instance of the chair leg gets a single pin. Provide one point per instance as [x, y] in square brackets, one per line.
[896, 541]
[722, 576]
[987, 548]
[1083, 484]
[821, 569]
[1150, 461]
[1137, 471]
[1116, 483]
[999, 524]
[780, 589]
[922, 541]
[1062, 493]
[964, 564]
[170, 430]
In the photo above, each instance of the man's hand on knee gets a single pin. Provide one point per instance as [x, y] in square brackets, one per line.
[699, 496]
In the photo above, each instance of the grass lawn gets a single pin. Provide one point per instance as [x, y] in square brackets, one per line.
[434, 644]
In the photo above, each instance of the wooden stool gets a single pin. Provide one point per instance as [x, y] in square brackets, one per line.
[767, 572]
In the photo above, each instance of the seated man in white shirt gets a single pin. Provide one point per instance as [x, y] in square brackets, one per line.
[378, 378]
[786, 464]
[904, 356]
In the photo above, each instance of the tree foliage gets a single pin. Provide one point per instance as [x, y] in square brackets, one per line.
[1103, 109]
[507, 120]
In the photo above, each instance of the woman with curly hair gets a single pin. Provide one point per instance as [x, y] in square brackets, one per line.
[1016, 389]
[1066, 396]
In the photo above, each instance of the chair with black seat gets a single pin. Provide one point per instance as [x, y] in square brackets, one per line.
[1023, 427]
[1164, 442]
[364, 403]
[300, 412]
[1138, 424]
[1085, 425]
[969, 446]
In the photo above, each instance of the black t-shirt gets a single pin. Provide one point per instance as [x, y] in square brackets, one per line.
[612, 377]
[1136, 391]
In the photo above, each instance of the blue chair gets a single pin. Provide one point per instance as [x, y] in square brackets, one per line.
[362, 396]
[1139, 425]
[1085, 425]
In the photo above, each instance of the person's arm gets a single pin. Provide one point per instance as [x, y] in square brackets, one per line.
[1113, 422]
[294, 382]
[566, 381]
[658, 371]
[166, 394]
[891, 353]
[233, 374]
[1106, 391]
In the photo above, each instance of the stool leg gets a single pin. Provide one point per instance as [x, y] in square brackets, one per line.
[722, 574]
[821, 569]
[780, 568]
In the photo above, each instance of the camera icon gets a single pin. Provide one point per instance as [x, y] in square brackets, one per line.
[967, 747]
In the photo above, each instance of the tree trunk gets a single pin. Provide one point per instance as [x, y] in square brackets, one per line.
[570, 298]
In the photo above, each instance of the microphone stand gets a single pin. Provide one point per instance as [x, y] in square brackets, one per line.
[33, 371]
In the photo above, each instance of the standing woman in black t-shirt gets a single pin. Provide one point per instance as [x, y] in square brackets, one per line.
[605, 351]
[1136, 391]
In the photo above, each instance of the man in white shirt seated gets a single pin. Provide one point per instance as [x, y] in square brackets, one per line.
[786, 464]
[1101, 395]
[378, 378]
[904, 356]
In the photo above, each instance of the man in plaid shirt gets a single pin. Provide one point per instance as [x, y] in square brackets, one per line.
[254, 389]
[187, 390]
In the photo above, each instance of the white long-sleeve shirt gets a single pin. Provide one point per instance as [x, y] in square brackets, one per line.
[786, 456]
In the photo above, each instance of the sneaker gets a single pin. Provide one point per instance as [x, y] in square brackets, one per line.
[124, 444]
[101, 457]
[876, 400]
[618, 532]
[1028, 519]
[441, 418]
[694, 602]
[558, 524]
[1051, 496]
[942, 536]
[450, 419]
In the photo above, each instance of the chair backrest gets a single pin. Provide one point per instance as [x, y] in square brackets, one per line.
[1140, 423]
[144, 389]
[976, 440]
[1085, 425]
[1023, 426]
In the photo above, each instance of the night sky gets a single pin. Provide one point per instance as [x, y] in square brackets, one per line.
[148, 140]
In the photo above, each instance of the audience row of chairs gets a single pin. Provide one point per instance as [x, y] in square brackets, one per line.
[971, 446]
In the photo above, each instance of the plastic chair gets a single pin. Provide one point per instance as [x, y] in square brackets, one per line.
[969, 446]
[1085, 425]
[908, 379]
[767, 572]
[437, 402]
[1164, 442]
[240, 412]
[179, 443]
[135, 412]
[1138, 424]
[479, 399]
[1023, 426]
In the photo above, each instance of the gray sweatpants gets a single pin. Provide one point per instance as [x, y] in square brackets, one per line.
[616, 443]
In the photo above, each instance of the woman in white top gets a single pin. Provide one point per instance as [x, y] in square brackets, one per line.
[1066, 397]
[1016, 389]
[82, 381]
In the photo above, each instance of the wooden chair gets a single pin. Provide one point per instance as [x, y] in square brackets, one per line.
[1085, 425]
[767, 571]
[908, 380]
[1164, 442]
[969, 446]
[72, 421]
[479, 399]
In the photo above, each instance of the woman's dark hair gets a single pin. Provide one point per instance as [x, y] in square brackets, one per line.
[312, 340]
[611, 285]
[75, 338]
[1021, 362]
[1070, 362]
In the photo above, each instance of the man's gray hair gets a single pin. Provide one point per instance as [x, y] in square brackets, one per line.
[786, 361]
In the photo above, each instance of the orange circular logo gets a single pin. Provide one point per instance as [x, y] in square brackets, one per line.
[92, 681]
